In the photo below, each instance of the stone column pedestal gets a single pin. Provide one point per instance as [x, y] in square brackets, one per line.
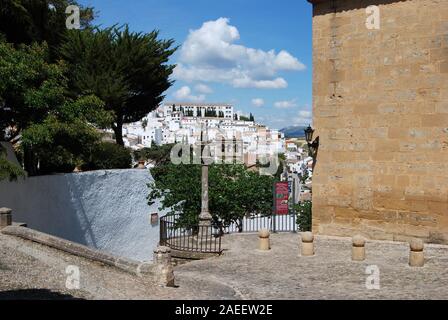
[416, 255]
[163, 269]
[358, 249]
[5, 217]
[307, 244]
[264, 243]
[205, 219]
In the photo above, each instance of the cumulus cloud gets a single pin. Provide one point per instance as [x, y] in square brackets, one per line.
[202, 88]
[303, 118]
[257, 102]
[185, 94]
[305, 114]
[210, 54]
[292, 117]
[285, 104]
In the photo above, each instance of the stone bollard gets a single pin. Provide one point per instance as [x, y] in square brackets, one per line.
[5, 217]
[358, 249]
[264, 243]
[163, 269]
[307, 244]
[416, 256]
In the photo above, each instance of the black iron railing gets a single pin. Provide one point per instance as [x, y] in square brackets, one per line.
[182, 236]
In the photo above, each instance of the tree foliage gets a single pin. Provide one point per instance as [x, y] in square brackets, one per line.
[160, 155]
[55, 129]
[106, 155]
[28, 21]
[57, 145]
[29, 86]
[53, 107]
[8, 170]
[126, 70]
[304, 215]
[234, 192]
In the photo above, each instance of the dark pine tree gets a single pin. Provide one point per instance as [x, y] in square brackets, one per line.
[126, 70]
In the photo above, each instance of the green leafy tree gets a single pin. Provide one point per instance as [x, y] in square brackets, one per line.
[304, 215]
[34, 103]
[8, 170]
[106, 155]
[29, 86]
[66, 138]
[126, 70]
[58, 146]
[160, 155]
[234, 192]
[28, 21]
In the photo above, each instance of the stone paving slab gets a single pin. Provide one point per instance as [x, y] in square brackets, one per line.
[282, 274]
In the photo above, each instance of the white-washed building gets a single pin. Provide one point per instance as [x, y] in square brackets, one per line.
[179, 122]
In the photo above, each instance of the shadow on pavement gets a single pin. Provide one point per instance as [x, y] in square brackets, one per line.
[35, 294]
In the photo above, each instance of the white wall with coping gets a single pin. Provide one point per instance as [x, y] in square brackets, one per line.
[104, 209]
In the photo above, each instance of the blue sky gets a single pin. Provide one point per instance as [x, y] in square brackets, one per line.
[256, 54]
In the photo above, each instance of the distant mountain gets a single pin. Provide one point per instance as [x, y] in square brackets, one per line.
[294, 131]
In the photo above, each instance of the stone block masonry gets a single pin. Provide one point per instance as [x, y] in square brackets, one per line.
[380, 102]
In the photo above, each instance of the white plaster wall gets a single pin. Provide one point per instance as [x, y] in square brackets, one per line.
[105, 209]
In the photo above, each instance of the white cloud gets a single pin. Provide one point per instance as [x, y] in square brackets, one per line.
[210, 55]
[286, 104]
[246, 82]
[184, 94]
[288, 118]
[257, 102]
[202, 88]
[305, 114]
[303, 118]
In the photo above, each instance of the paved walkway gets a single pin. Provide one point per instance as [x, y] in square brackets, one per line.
[30, 270]
[330, 274]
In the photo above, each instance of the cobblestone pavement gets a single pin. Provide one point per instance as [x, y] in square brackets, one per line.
[282, 274]
[30, 270]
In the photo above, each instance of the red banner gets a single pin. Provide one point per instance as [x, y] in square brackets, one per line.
[281, 194]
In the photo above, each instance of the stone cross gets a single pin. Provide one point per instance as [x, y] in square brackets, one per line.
[205, 218]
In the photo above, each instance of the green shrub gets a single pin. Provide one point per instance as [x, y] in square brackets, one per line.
[158, 154]
[8, 170]
[59, 161]
[55, 146]
[107, 155]
[304, 215]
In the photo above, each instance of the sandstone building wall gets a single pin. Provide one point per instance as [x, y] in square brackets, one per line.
[380, 108]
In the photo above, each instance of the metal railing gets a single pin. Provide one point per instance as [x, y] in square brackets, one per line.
[182, 236]
[274, 223]
[191, 238]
